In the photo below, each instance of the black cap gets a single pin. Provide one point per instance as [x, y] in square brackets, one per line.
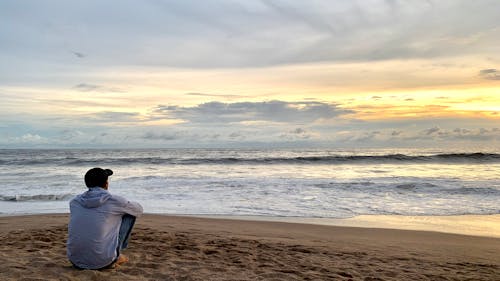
[97, 177]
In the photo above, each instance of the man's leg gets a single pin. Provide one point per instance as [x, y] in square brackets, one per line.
[126, 226]
[128, 222]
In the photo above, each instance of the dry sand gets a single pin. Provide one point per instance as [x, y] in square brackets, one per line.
[186, 248]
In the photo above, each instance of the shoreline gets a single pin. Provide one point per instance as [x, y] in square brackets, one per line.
[471, 225]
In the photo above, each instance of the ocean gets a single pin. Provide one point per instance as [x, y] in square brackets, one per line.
[308, 183]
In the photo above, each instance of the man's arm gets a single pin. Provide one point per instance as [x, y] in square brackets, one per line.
[133, 208]
[128, 207]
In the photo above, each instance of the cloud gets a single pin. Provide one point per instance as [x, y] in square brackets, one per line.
[481, 134]
[490, 74]
[363, 136]
[24, 140]
[182, 137]
[160, 136]
[32, 138]
[297, 134]
[457, 134]
[271, 111]
[86, 87]
[79, 55]
[248, 33]
[237, 135]
[432, 131]
[298, 131]
[69, 135]
[435, 136]
[101, 132]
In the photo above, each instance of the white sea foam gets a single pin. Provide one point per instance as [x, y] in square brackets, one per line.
[244, 186]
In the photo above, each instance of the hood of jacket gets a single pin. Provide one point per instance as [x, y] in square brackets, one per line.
[94, 197]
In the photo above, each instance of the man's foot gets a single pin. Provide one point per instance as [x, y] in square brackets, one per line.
[121, 259]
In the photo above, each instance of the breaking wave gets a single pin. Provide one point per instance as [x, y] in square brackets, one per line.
[38, 197]
[450, 158]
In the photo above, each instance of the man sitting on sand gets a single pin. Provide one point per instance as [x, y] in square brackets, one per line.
[100, 224]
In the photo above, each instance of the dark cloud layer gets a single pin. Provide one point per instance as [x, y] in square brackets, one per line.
[480, 134]
[245, 33]
[274, 111]
[434, 135]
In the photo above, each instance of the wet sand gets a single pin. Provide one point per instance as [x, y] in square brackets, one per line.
[190, 248]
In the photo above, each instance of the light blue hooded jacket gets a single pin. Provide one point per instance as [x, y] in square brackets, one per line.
[94, 223]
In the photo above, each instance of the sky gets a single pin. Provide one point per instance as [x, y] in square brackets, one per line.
[260, 73]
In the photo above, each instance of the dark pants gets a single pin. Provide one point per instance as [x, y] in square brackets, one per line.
[128, 222]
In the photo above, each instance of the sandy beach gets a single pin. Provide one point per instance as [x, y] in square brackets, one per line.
[188, 248]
